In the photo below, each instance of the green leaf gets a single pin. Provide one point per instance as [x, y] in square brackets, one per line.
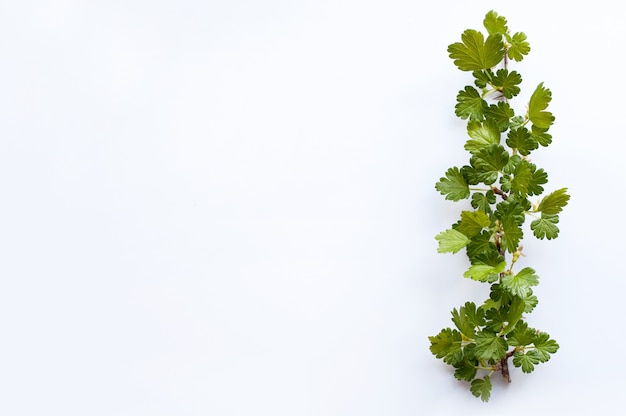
[519, 46]
[481, 388]
[521, 140]
[490, 346]
[511, 215]
[476, 53]
[554, 202]
[470, 104]
[484, 201]
[521, 336]
[465, 370]
[514, 160]
[510, 209]
[482, 134]
[541, 136]
[467, 318]
[539, 101]
[526, 360]
[453, 185]
[507, 82]
[485, 272]
[520, 283]
[472, 222]
[495, 24]
[545, 227]
[504, 314]
[490, 256]
[495, 315]
[530, 301]
[489, 161]
[480, 245]
[512, 235]
[544, 346]
[447, 346]
[474, 315]
[514, 313]
[482, 78]
[539, 177]
[451, 241]
[501, 114]
[521, 178]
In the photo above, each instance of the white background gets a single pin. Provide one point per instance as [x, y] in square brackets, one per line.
[228, 207]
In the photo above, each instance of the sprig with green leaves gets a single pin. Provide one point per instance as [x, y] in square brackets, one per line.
[504, 188]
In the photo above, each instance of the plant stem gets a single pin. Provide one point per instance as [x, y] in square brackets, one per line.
[500, 192]
[504, 365]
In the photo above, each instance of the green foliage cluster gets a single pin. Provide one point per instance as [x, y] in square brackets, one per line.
[500, 183]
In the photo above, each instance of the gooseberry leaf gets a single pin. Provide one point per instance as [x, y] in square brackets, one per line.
[521, 140]
[485, 272]
[500, 114]
[489, 161]
[539, 101]
[465, 370]
[539, 177]
[447, 345]
[544, 346]
[470, 104]
[526, 360]
[481, 387]
[453, 185]
[451, 241]
[545, 226]
[507, 82]
[483, 201]
[473, 222]
[475, 53]
[522, 175]
[468, 318]
[482, 134]
[554, 202]
[520, 283]
[490, 346]
[519, 46]
[521, 336]
[495, 24]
